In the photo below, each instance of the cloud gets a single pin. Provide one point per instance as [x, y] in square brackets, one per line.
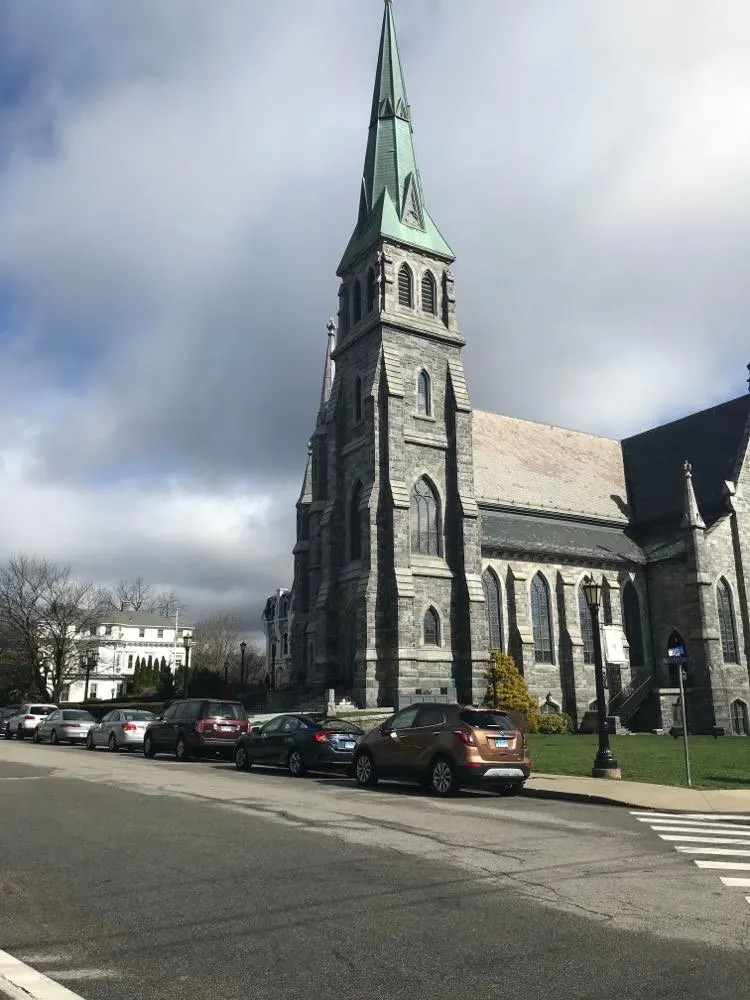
[178, 181]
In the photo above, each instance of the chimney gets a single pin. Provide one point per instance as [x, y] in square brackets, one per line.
[127, 606]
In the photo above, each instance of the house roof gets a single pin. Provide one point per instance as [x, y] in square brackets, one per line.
[533, 466]
[710, 440]
[508, 531]
[140, 619]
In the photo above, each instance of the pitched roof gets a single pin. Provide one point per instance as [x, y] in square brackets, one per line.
[508, 531]
[710, 440]
[141, 619]
[527, 465]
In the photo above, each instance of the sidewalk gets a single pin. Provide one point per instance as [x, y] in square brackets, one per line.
[637, 795]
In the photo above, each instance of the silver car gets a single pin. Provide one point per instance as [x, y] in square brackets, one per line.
[121, 729]
[65, 725]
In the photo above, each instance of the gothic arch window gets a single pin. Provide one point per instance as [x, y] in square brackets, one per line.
[358, 399]
[491, 586]
[726, 622]
[357, 301]
[541, 620]
[405, 286]
[344, 319]
[355, 524]
[429, 293]
[631, 620]
[740, 720]
[425, 519]
[424, 394]
[431, 627]
[587, 627]
[372, 290]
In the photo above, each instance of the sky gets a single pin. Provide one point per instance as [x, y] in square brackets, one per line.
[178, 180]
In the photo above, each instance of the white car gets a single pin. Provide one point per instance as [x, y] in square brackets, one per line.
[26, 719]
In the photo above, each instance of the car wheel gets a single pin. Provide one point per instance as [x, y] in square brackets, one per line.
[89, 742]
[148, 746]
[112, 743]
[242, 759]
[19, 733]
[515, 788]
[181, 750]
[364, 770]
[296, 763]
[443, 778]
[35, 737]
[53, 737]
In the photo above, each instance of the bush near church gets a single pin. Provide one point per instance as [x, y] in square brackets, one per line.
[555, 723]
[507, 690]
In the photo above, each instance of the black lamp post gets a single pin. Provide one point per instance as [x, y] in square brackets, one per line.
[226, 673]
[605, 765]
[243, 647]
[187, 642]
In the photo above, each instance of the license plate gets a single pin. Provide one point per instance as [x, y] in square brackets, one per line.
[501, 743]
[349, 745]
[226, 729]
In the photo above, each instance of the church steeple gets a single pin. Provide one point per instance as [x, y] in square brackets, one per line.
[391, 201]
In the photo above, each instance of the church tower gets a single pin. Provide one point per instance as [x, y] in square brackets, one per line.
[388, 601]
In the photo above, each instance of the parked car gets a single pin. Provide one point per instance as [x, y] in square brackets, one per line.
[66, 725]
[5, 717]
[26, 719]
[122, 729]
[196, 727]
[443, 747]
[299, 743]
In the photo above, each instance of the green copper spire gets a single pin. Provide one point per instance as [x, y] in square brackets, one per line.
[391, 199]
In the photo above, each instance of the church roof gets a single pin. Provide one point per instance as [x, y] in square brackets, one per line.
[533, 534]
[532, 466]
[710, 440]
[391, 197]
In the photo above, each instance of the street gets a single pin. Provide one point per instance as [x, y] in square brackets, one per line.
[122, 877]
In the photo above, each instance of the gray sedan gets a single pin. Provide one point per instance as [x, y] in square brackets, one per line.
[64, 725]
[121, 729]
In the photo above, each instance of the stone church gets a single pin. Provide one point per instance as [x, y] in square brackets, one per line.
[429, 533]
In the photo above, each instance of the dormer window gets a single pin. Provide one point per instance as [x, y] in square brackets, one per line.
[405, 286]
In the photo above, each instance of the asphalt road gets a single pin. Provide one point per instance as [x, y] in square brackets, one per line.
[121, 877]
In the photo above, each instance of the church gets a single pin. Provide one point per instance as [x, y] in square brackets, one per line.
[429, 533]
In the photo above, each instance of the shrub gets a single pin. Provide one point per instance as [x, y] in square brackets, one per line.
[507, 690]
[555, 722]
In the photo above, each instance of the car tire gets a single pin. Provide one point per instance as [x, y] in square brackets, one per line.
[20, 733]
[181, 752]
[242, 759]
[53, 738]
[89, 742]
[295, 763]
[148, 747]
[364, 770]
[35, 737]
[443, 777]
[112, 743]
[514, 788]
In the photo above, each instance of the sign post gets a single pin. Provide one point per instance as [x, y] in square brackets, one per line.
[678, 656]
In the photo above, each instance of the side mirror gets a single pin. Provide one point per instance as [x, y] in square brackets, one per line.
[256, 730]
[383, 727]
[159, 718]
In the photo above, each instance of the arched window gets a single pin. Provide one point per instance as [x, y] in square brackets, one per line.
[425, 520]
[405, 286]
[429, 293]
[740, 721]
[431, 628]
[357, 399]
[541, 620]
[726, 622]
[631, 620]
[587, 627]
[372, 290]
[357, 301]
[424, 394]
[344, 311]
[494, 614]
[355, 524]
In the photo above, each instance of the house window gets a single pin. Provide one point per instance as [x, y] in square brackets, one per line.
[372, 290]
[431, 628]
[405, 286]
[108, 630]
[141, 633]
[92, 691]
[631, 619]
[425, 519]
[424, 400]
[726, 622]
[429, 293]
[130, 662]
[587, 627]
[740, 721]
[358, 399]
[541, 620]
[491, 586]
[160, 633]
[357, 301]
[355, 524]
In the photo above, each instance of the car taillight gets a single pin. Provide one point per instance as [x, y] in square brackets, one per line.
[29, 718]
[465, 737]
[129, 727]
[71, 725]
[322, 736]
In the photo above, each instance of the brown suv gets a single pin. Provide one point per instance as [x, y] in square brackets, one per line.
[444, 747]
[196, 727]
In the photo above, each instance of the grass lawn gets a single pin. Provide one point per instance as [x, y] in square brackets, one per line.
[721, 763]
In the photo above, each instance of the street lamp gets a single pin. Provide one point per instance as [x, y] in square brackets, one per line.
[243, 647]
[187, 642]
[605, 765]
[226, 673]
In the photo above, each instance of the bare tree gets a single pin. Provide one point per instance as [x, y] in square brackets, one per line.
[138, 593]
[165, 604]
[255, 664]
[216, 642]
[135, 592]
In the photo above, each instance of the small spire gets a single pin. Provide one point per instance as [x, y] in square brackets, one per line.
[329, 369]
[748, 380]
[691, 516]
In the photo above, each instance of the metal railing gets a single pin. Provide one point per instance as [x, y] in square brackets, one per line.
[630, 698]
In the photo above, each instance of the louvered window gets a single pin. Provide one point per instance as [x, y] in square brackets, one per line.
[587, 627]
[357, 301]
[431, 628]
[425, 520]
[494, 613]
[405, 286]
[424, 402]
[726, 622]
[631, 619]
[371, 290]
[429, 293]
[541, 620]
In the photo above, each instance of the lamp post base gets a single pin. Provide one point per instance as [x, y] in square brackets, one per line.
[605, 765]
[606, 772]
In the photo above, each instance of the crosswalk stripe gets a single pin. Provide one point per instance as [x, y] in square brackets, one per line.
[726, 831]
[725, 851]
[704, 840]
[739, 817]
[695, 824]
[735, 866]
[739, 883]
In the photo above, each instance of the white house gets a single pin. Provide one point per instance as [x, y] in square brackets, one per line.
[127, 638]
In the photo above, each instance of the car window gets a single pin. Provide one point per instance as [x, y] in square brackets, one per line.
[273, 725]
[114, 717]
[137, 716]
[192, 710]
[429, 715]
[53, 716]
[41, 709]
[172, 711]
[405, 719]
[107, 717]
[71, 715]
[224, 710]
[339, 726]
[478, 719]
[291, 725]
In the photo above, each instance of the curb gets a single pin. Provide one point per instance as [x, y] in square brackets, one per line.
[580, 797]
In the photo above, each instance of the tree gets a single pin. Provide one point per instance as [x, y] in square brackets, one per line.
[165, 688]
[216, 640]
[138, 593]
[507, 690]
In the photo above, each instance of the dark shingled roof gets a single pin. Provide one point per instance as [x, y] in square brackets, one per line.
[710, 440]
[529, 533]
